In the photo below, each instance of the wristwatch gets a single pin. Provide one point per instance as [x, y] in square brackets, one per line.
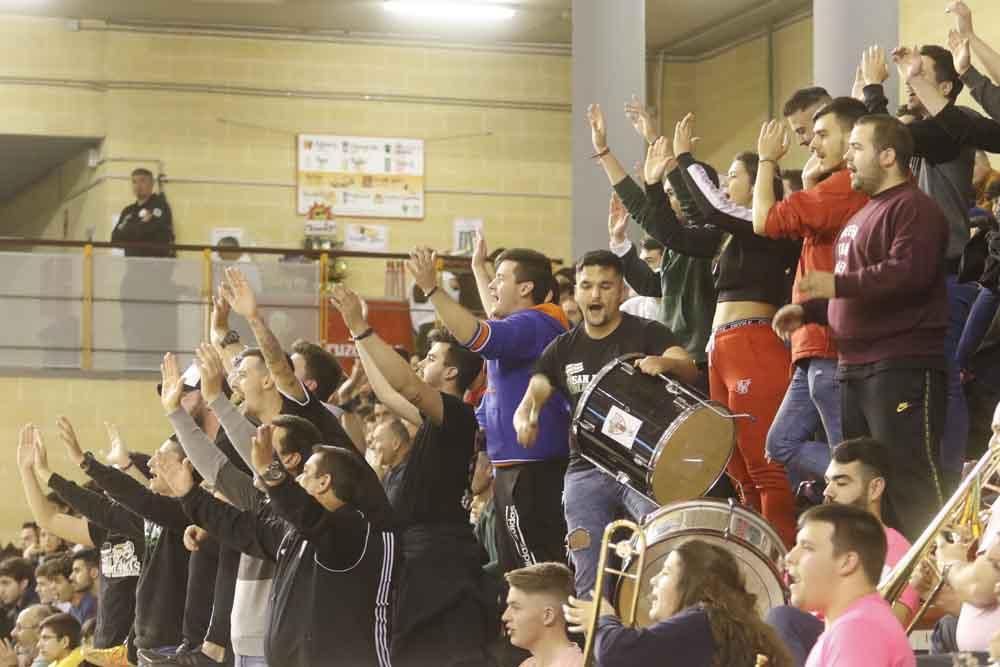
[274, 473]
[232, 337]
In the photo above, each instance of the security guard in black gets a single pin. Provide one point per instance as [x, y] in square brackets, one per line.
[148, 220]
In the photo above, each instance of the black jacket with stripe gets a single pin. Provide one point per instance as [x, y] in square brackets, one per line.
[330, 602]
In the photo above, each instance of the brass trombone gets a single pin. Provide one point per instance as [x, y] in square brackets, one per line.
[962, 508]
[632, 546]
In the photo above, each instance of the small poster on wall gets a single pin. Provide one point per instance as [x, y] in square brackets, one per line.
[464, 232]
[367, 238]
[361, 176]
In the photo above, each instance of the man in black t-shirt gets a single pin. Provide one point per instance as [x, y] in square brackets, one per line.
[266, 376]
[592, 498]
[441, 609]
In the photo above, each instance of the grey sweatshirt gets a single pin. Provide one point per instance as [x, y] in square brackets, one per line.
[248, 622]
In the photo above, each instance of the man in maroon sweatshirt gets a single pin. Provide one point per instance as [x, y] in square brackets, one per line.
[887, 307]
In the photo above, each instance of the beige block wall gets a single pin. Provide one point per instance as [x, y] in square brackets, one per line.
[729, 93]
[87, 403]
[204, 136]
[199, 135]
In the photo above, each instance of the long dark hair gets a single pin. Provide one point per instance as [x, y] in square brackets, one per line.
[711, 579]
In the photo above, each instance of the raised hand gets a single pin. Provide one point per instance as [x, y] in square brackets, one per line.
[963, 17]
[41, 456]
[262, 454]
[26, 447]
[684, 138]
[118, 454]
[908, 61]
[237, 292]
[960, 53]
[171, 384]
[68, 435]
[617, 219]
[658, 161]
[210, 370]
[640, 118]
[598, 130]
[422, 266]
[479, 251]
[351, 307]
[873, 67]
[220, 318]
[773, 142]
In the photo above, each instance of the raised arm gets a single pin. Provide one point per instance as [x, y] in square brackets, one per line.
[46, 514]
[772, 144]
[984, 52]
[237, 427]
[120, 486]
[205, 457]
[481, 272]
[380, 359]
[225, 340]
[460, 322]
[237, 291]
[599, 137]
[644, 280]
[651, 209]
[119, 455]
[715, 208]
[96, 507]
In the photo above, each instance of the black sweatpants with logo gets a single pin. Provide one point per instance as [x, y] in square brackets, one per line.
[904, 409]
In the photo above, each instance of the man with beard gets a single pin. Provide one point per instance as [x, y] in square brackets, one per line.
[593, 499]
[856, 476]
[441, 615]
[888, 311]
[816, 215]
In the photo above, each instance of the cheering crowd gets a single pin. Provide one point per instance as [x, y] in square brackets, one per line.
[439, 511]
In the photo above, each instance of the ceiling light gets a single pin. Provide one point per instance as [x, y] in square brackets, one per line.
[457, 11]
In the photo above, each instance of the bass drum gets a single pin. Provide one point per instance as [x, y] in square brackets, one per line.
[656, 435]
[742, 532]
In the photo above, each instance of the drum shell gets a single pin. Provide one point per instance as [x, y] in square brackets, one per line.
[745, 534]
[662, 438]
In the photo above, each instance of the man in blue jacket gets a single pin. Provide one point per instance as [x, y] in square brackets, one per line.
[529, 481]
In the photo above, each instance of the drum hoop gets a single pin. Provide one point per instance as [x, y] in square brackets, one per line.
[729, 537]
[581, 404]
[731, 508]
[661, 446]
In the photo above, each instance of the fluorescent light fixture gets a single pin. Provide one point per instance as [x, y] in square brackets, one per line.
[456, 11]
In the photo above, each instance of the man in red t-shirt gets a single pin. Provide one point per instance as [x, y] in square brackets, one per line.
[816, 215]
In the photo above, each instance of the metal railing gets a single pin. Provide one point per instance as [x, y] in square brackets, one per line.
[67, 306]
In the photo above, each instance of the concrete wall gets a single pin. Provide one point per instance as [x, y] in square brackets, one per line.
[729, 93]
[201, 135]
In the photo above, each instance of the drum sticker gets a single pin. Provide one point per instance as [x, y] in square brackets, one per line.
[621, 427]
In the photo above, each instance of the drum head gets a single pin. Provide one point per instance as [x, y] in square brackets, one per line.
[760, 576]
[691, 456]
